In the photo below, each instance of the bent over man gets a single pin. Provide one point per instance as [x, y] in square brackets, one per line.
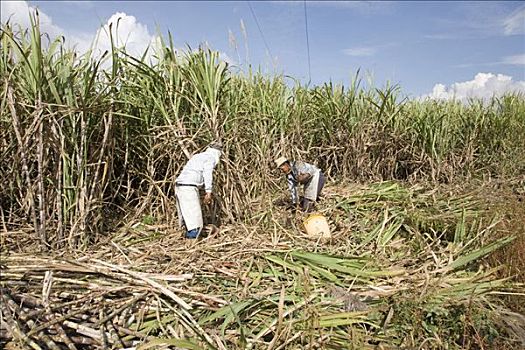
[196, 173]
[308, 175]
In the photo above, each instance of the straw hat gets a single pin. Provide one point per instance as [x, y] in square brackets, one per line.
[280, 161]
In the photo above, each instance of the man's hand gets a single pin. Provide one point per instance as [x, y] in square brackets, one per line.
[208, 197]
[303, 178]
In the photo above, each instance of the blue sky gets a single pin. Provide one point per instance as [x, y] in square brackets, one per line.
[426, 47]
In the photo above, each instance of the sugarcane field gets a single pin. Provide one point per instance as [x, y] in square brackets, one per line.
[180, 203]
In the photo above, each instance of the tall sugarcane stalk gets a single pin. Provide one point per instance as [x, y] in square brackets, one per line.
[90, 138]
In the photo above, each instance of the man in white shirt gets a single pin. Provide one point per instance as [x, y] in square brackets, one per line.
[302, 173]
[198, 172]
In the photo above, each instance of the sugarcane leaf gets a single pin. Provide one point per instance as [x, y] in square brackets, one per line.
[179, 343]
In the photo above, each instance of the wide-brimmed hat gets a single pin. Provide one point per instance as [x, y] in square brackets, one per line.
[280, 161]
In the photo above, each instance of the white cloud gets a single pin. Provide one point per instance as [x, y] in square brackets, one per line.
[478, 20]
[17, 13]
[483, 86]
[441, 36]
[126, 32]
[125, 29]
[516, 60]
[360, 51]
[515, 22]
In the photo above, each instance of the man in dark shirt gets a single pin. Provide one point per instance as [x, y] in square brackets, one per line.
[302, 173]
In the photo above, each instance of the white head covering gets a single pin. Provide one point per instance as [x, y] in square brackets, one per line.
[216, 145]
[215, 153]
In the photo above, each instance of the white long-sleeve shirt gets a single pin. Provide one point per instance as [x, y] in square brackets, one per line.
[199, 169]
[299, 167]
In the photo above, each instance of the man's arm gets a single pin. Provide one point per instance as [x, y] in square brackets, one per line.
[305, 171]
[207, 174]
[293, 190]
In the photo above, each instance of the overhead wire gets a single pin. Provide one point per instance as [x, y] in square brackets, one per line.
[260, 30]
[307, 42]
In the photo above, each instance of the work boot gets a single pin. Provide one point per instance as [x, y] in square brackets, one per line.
[192, 234]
